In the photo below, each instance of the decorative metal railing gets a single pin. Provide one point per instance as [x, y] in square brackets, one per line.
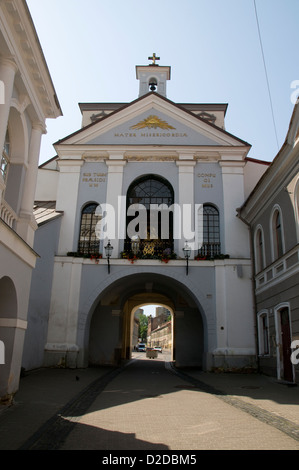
[151, 249]
[209, 250]
[88, 248]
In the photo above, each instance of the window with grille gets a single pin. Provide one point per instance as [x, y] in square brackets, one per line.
[89, 243]
[263, 333]
[148, 191]
[211, 232]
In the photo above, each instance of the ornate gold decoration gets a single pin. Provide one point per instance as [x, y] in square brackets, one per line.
[152, 122]
[149, 249]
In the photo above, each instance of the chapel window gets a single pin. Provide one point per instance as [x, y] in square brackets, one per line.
[259, 251]
[5, 157]
[154, 226]
[89, 238]
[211, 246]
[263, 330]
[277, 234]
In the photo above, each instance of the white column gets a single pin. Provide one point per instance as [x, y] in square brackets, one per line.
[7, 75]
[26, 224]
[114, 191]
[67, 196]
[236, 236]
[186, 198]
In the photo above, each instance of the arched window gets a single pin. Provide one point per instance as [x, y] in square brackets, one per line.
[89, 242]
[211, 232]
[263, 333]
[5, 157]
[155, 225]
[259, 251]
[152, 84]
[277, 234]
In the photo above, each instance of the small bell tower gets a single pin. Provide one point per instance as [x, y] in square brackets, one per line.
[152, 77]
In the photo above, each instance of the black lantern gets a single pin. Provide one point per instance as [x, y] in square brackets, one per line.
[135, 242]
[187, 253]
[108, 250]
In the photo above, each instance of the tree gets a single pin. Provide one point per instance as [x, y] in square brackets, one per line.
[143, 322]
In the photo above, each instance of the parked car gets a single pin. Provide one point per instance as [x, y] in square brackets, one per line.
[158, 348]
[141, 347]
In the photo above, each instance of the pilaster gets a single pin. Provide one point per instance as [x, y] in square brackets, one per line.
[26, 223]
[236, 242]
[114, 191]
[8, 69]
[184, 222]
[67, 195]
[221, 306]
[61, 347]
[7, 75]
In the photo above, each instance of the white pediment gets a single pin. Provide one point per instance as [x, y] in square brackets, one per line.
[153, 121]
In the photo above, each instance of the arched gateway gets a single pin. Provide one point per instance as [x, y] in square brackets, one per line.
[147, 177]
[107, 337]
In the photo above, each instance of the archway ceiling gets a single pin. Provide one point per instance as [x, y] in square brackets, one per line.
[125, 288]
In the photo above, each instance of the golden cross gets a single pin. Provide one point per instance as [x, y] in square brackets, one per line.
[154, 58]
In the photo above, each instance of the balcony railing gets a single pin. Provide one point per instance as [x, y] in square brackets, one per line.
[284, 266]
[151, 249]
[209, 250]
[148, 249]
[7, 214]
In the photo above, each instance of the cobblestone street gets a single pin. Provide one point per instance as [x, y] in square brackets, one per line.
[148, 405]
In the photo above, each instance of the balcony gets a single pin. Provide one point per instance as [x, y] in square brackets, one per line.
[7, 214]
[285, 266]
[209, 251]
[149, 251]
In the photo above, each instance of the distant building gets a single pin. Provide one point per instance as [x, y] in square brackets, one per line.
[160, 329]
[162, 310]
[161, 316]
[272, 213]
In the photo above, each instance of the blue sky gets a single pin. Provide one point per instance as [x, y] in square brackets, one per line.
[213, 47]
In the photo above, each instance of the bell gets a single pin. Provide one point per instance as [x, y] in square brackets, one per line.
[153, 86]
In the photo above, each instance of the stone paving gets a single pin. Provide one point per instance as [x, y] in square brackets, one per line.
[150, 406]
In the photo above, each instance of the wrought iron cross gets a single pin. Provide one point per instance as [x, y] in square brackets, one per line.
[154, 58]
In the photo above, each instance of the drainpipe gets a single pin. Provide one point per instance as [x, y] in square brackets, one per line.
[253, 284]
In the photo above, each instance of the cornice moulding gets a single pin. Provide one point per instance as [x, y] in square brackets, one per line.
[29, 57]
[274, 180]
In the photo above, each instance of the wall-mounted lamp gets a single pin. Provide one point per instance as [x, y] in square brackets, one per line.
[108, 250]
[187, 253]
